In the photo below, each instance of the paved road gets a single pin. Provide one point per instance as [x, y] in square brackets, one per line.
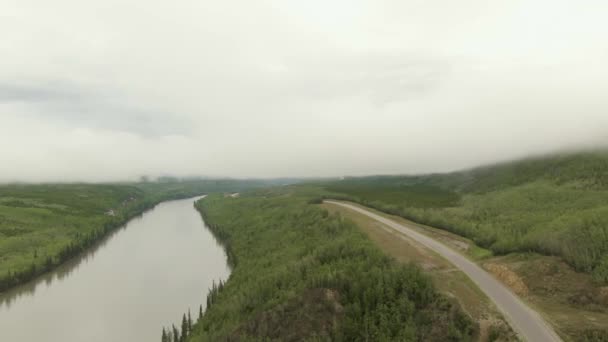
[528, 323]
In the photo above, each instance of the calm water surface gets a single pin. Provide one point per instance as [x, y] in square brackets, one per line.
[141, 278]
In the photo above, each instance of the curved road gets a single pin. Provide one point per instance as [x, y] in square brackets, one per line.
[528, 323]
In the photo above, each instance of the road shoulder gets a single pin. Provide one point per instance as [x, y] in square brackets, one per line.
[449, 280]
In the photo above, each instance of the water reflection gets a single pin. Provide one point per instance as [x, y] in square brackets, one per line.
[60, 272]
[126, 287]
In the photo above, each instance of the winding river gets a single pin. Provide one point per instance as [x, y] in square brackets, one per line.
[141, 278]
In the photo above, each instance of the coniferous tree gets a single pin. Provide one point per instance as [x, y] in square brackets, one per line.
[189, 322]
[200, 312]
[164, 336]
[184, 328]
[175, 334]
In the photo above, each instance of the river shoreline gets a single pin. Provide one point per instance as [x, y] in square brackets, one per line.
[129, 284]
[106, 231]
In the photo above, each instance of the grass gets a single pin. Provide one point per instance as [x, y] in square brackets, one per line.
[479, 253]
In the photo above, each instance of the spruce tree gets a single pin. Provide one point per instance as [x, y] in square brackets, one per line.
[184, 328]
[164, 336]
[189, 322]
[175, 334]
[200, 312]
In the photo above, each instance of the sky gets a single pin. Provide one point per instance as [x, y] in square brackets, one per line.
[116, 89]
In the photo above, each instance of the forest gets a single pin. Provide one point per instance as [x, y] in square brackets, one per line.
[43, 225]
[552, 205]
[300, 273]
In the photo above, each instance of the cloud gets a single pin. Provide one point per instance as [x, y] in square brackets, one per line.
[82, 106]
[36, 93]
[109, 90]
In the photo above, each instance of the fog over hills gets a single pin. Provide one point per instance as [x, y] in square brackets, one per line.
[111, 90]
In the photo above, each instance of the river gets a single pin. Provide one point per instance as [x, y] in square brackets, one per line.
[142, 277]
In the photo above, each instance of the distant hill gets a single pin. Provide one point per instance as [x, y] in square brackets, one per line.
[555, 205]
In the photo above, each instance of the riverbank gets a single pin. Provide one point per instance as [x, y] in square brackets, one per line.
[45, 225]
[124, 288]
[42, 226]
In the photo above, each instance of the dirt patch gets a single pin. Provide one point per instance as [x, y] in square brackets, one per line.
[333, 297]
[602, 295]
[495, 330]
[461, 245]
[551, 277]
[595, 300]
[570, 300]
[508, 277]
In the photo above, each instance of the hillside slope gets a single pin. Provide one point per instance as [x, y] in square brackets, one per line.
[553, 205]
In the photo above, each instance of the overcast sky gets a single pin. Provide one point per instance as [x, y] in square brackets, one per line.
[113, 89]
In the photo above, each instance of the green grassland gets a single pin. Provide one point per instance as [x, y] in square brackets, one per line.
[43, 225]
[553, 205]
[301, 273]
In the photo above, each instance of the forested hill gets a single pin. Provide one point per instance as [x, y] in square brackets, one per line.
[589, 169]
[555, 205]
[583, 170]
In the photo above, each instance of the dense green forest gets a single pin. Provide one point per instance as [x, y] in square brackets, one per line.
[300, 273]
[43, 225]
[553, 205]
